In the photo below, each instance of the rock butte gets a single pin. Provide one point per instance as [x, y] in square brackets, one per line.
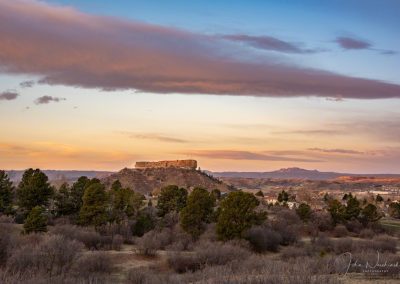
[183, 164]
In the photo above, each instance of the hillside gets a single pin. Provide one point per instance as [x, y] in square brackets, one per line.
[153, 179]
[296, 173]
[60, 175]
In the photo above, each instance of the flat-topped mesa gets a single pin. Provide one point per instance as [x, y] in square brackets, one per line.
[183, 164]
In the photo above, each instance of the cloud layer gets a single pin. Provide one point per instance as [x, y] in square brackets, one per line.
[8, 96]
[68, 47]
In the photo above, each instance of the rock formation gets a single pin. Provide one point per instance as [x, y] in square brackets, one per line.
[182, 164]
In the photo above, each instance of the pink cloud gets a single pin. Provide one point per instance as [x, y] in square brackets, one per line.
[68, 47]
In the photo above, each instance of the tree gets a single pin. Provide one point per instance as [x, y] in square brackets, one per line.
[353, 208]
[33, 190]
[197, 212]
[283, 196]
[216, 193]
[78, 190]
[6, 193]
[260, 193]
[171, 198]
[379, 198]
[94, 207]
[125, 202]
[36, 221]
[237, 214]
[394, 210]
[145, 222]
[337, 211]
[63, 201]
[304, 212]
[369, 214]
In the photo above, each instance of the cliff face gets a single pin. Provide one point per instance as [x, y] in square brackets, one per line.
[183, 164]
[153, 179]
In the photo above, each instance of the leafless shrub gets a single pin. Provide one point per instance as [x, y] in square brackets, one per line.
[52, 256]
[209, 234]
[367, 234]
[354, 226]
[340, 231]
[92, 264]
[384, 243]
[146, 276]
[343, 245]
[117, 242]
[90, 238]
[264, 239]
[322, 220]
[180, 240]
[184, 262]
[6, 219]
[323, 244]
[220, 253]
[295, 251]
[153, 241]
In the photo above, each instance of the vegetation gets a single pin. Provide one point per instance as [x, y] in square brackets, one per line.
[78, 232]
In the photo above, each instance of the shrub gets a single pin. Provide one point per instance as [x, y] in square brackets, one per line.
[117, 242]
[93, 263]
[36, 221]
[367, 234]
[153, 241]
[339, 231]
[54, 255]
[90, 238]
[322, 220]
[384, 243]
[264, 239]
[342, 245]
[220, 253]
[354, 226]
[182, 263]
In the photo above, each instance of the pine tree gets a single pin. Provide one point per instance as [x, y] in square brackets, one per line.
[172, 198]
[94, 207]
[6, 193]
[36, 221]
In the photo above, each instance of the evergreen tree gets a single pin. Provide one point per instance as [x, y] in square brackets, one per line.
[171, 198]
[379, 198]
[78, 190]
[94, 207]
[353, 208]
[36, 221]
[216, 193]
[394, 210]
[125, 202]
[63, 201]
[198, 212]
[337, 211]
[369, 214]
[260, 193]
[283, 197]
[33, 190]
[304, 212]
[237, 214]
[6, 193]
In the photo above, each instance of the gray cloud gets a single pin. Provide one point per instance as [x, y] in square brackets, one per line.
[351, 43]
[269, 43]
[48, 99]
[27, 84]
[72, 48]
[8, 96]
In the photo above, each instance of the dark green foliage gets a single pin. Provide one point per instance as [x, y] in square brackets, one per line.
[63, 201]
[264, 239]
[125, 203]
[33, 190]
[353, 208]
[369, 214]
[304, 212]
[237, 214]
[379, 198]
[36, 221]
[6, 193]
[283, 197]
[172, 198]
[260, 193]
[78, 190]
[93, 211]
[198, 211]
[394, 210]
[145, 222]
[216, 193]
[337, 211]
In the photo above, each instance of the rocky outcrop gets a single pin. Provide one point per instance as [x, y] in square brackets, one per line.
[182, 164]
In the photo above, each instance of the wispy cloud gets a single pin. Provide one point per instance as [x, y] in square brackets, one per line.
[8, 96]
[48, 99]
[336, 151]
[270, 43]
[153, 136]
[246, 155]
[69, 47]
[352, 43]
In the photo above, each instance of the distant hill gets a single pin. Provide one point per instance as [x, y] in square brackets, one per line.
[296, 173]
[153, 179]
[56, 175]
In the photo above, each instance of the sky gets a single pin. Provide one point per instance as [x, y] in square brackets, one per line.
[236, 85]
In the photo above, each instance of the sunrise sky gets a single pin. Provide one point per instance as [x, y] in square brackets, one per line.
[237, 85]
